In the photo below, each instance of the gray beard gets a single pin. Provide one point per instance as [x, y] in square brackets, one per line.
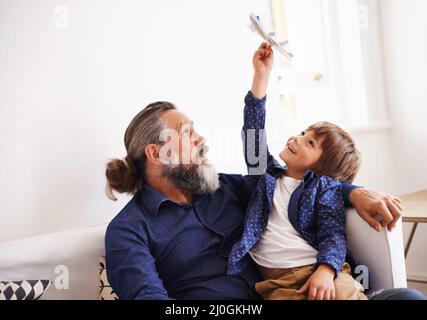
[195, 179]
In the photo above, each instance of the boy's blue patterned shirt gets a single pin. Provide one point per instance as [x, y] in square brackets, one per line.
[316, 207]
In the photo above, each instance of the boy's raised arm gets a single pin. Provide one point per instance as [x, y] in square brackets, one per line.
[254, 138]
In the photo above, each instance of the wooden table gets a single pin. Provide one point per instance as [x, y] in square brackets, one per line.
[414, 211]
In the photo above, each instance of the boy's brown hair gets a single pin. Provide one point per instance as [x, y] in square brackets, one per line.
[340, 159]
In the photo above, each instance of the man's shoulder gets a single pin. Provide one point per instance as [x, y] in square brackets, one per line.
[129, 215]
[126, 229]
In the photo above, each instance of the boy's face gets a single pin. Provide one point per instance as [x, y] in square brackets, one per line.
[302, 152]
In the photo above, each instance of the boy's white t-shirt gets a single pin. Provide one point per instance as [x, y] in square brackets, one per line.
[280, 245]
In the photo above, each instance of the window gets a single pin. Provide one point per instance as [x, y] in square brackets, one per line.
[325, 80]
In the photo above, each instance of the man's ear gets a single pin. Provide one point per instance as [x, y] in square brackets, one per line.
[152, 152]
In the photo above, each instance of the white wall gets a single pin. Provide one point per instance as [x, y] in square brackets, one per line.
[67, 95]
[404, 31]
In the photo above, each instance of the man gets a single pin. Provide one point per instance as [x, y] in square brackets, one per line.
[173, 239]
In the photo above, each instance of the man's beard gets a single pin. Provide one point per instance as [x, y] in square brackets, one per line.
[198, 179]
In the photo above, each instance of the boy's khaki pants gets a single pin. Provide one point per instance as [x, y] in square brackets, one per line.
[282, 284]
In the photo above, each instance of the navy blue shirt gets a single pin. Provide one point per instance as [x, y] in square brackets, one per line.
[159, 249]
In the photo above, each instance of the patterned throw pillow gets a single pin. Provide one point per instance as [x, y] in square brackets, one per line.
[23, 290]
[105, 290]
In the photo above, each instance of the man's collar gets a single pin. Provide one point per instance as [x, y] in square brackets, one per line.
[151, 199]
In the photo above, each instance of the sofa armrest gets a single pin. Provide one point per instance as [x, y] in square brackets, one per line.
[37, 258]
[382, 252]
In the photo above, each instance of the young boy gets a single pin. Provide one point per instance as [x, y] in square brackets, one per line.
[297, 237]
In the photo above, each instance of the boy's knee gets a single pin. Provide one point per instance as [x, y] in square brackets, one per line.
[347, 288]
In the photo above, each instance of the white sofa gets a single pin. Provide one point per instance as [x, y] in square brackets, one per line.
[79, 250]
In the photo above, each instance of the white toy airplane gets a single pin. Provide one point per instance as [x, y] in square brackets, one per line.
[257, 27]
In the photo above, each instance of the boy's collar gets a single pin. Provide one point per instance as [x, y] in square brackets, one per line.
[278, 170]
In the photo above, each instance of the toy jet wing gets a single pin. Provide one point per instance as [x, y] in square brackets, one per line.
[257, 27]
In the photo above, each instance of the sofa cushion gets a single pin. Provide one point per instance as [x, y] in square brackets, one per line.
[23, 290]
[105, 290]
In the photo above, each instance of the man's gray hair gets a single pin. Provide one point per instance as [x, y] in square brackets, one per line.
[145, 129]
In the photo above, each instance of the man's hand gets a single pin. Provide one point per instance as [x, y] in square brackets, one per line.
[262, 62]
[377, 209]
[320, 285]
